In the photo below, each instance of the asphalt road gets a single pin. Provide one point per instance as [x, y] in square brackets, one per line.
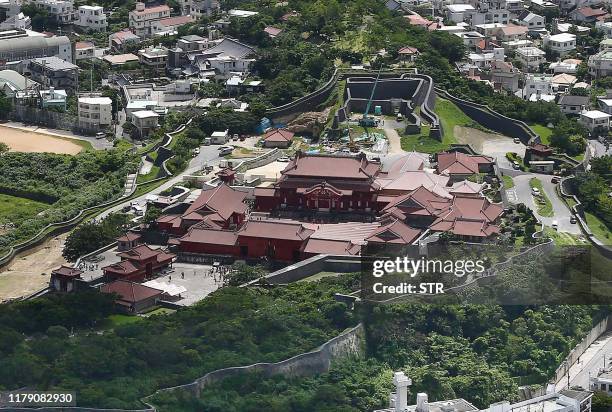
[208, 155]
[589, 363]
[521, 193]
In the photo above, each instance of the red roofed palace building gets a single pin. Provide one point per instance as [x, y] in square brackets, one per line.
[278, 138]
[62, 279]
[220, 207]
[460, 166]
[138, 264]
[132, 297]
[323, 183]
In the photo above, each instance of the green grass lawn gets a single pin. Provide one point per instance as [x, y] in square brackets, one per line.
[159, 311]
[508, 182]
[149, 176]
[117, 320]
[15, 209]
[599, 228]
[123, 145]
[562, 238]
[545, 208]
[543, 131]
[422, 142]
[450, 116]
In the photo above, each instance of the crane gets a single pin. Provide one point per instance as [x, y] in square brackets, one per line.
[367, 121]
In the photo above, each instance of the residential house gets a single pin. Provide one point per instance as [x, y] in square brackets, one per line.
[530, 57]
[91, 18]
[278, 138]
[573, 104]
[605, 44]
[561, 44]
[143, 21]
[145, 122]
[570, 28]
[543, 7]
[588, 15]
[596, 121]
[120, 59]
[273, 32]
[95, 113]
[219, 137]
[563, 82]
[117, 42]
[84, 50]
[485, 60]
[169, 25]
[568, 66]
[53, 71]
[62, 11]
[605, 105]
[531, 20]
[505, 76]
[600, 64]
[515, 7]
[201, 8]
[408, 54]
[457, 12]
[470, 38]
[53, 98]
[605, 27]
[538, 87]
[511, 33]
[155, 57]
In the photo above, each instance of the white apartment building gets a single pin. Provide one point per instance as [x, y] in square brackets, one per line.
[154, 57]
[145, 122]
[595, 120]
[600, 64]
[95, 113]
[61, 10]
[537, 85]
[561, 43]
[457, 12]
[143, 20]
[84, 50]
[91, 18]
[485, 60]
[530, 57]
[200, 8]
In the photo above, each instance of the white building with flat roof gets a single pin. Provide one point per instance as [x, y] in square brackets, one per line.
[595, 120]
[61, 10]
[145, 121]
[95, 113]
[600, 64]
[530, 58]
[91, 18]
[457, 12]
[562, 43]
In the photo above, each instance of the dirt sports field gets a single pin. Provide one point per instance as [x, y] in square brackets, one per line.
[31, 273]
[27, 141]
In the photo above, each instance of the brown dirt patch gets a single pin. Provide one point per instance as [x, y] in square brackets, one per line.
[30, 273]
[27, 141]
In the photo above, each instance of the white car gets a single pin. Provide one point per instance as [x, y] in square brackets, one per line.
[283, 159]
[535, 191]
[225, 150]
[555, 225]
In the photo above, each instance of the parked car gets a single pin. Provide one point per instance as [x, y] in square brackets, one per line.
[555, 179]
[573, 220]
[535, 191]
[196, 151]
[555, 224]
[517, 140]
[100, 135]
[283, 159]
[235, 137]
[225, 150]
[515, 165]
[207, 141]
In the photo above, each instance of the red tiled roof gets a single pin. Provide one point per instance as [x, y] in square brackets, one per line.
[589, 12]
[125, 267]
[348, 167]
[129, 237]
[226, 172]
[67, 271]
[278, 135]
[222, 199]
[395, 232]
[154, 9]
[332, 247]
[408, 50]
[210, 236]
[466, 227]
[264, 192]
[419, 202]
[83, 45]
[176, 21]
[129, 291]
[460, 163]
[273, 31]
[275, 230]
